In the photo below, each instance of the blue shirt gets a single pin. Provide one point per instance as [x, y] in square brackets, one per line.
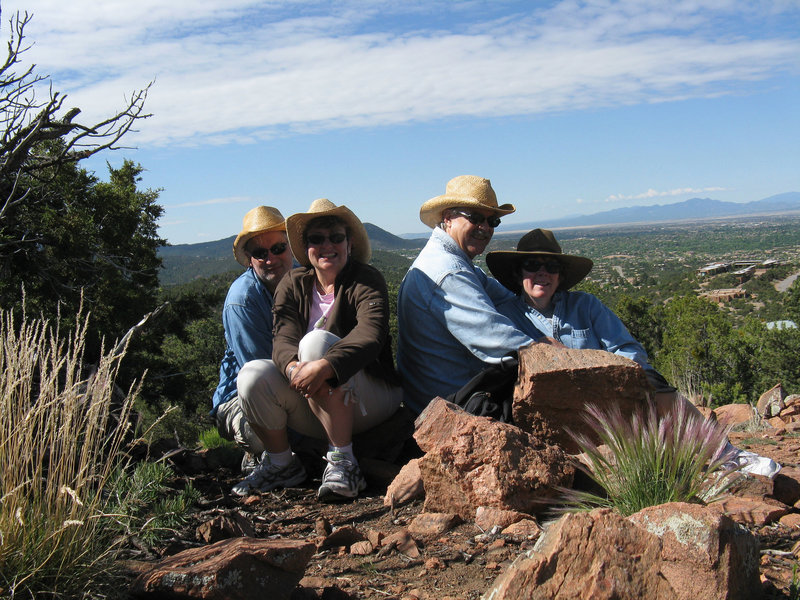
[247, 319]
[581, 321]
[448, 326]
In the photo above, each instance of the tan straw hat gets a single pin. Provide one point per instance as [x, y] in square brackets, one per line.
[258, 220]
[468, 191]
[322, 207]
[505, 264]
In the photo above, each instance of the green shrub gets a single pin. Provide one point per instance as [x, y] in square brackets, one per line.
[211, 439]
[65, 496]
[647, 460]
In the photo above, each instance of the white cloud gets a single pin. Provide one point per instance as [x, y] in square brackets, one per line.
[247, 70]
[651, 193]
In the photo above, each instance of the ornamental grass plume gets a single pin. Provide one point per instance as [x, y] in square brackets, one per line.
[643, 460]
[59, 449]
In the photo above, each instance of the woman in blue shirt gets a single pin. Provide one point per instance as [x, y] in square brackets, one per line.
[540, 275]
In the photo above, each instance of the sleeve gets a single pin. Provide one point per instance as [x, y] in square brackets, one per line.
[616, 338]
[248, 326]
[464, 307]
[362, 344]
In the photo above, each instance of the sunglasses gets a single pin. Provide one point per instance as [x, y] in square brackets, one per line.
[532, 265]
[317, 239]
[263, 253]
[477, 218]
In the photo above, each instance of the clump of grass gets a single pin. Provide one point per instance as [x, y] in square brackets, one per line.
[646, 460]
[62, 452]
[211, 439]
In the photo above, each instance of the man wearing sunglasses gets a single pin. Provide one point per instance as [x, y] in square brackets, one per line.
[262, 246]
[449, 328]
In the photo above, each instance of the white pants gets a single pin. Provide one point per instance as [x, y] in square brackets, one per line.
[269, 402]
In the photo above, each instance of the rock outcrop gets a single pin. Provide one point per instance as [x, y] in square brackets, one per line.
[474, 461]
[556, 384]
[669, 552]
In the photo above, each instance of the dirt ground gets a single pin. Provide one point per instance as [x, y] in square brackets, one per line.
[458, 564]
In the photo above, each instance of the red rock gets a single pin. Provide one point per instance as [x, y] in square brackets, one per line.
[771, 402]
[431, 524]
[361, 548]
[343, 536]
[525, 529]
[791, 520]
[669, 552]
[221, 527]
[406, 486]
[786, 485]
[404, 543]
[556, 384]
[233, 569]
[476, 461]
[487, 517]
[375, 538]
[751, 511]
[776, 422]
[731, 415]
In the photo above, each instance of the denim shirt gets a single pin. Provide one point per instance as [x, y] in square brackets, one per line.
[247, 319]
[448, 326]
[581, 321]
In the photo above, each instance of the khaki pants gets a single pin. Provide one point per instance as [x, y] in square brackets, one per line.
[232, 425]
[268, 401]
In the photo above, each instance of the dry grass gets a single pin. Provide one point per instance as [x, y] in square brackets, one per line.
[60, 446]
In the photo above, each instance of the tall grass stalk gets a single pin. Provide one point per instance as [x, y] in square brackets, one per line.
[643, 460]
[59, 448]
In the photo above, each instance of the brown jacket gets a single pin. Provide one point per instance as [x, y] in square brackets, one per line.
[359, 315]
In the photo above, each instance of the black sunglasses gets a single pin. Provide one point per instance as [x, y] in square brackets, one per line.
[532, 265]
[263, 253]
[317, 239]
[477, 218]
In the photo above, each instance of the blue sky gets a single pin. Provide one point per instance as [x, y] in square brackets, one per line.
[569, 107]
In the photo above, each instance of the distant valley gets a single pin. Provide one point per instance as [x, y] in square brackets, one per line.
[185, 262]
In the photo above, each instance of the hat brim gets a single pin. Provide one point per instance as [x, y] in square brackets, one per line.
[430, 212]
[241, 240]
[503, 265]
[297, 223]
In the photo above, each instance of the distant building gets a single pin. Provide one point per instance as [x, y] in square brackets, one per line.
[726, 295]
[781, 325]
[713, 269]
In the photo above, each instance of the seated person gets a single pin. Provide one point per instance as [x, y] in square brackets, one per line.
[448, 326]
[331, 351]
[540, 275]
[262, 247]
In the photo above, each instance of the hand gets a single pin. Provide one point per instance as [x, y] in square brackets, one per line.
[311, 378]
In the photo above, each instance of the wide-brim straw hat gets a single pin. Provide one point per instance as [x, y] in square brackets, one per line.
[468, 191]
[505, 264]
[322, 207]
[257, 221]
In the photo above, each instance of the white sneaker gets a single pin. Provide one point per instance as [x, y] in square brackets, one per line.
[267, 476]
[755, 464]
[342, 478]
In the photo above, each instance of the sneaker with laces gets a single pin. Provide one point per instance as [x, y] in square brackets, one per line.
[267, 476]
[342, 478]
[249, 463]
[755, 464]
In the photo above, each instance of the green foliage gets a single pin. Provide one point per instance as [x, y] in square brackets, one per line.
[146, 505]
[650, 461]
[210, 439]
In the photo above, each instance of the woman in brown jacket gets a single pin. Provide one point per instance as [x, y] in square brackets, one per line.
[331, 372]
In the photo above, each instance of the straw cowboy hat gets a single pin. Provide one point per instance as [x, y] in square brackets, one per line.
[505, 264]
[322, 207]
[258, 220]
[468, 191]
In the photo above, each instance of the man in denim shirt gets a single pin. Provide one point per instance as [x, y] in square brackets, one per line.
[448, 325]
[262, 247]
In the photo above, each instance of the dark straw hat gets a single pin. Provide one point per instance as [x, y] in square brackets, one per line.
[505, 264]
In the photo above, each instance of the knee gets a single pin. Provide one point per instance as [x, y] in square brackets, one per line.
[315, 344]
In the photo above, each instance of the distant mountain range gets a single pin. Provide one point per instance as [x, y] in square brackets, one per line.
[187, 261]
[694, 208]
